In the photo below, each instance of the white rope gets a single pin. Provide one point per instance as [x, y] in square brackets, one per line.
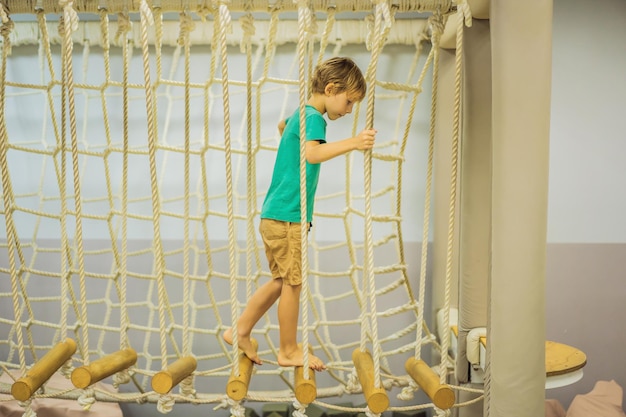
[382, 15]
[123, 29]
[224, 24]
[247, 23]
[187, 25]
[69, 24]
[465, 12]
[87, 398]
[237, 410]
[8, 196]
[92, 6]
[147, 20]
[299, 409]
[304, 22]
[28, 412]
[436, 22]
[465, 18]
[4, 15]
[165, 404]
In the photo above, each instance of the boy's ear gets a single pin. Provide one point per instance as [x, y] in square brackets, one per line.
[330, 89]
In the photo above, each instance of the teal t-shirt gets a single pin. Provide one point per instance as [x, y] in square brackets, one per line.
[282, 201]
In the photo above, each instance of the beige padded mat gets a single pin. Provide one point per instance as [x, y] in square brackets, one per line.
[53, 407]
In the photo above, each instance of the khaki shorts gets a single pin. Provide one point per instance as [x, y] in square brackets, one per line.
[282, 248]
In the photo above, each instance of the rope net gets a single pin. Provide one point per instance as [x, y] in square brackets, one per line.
[134, 161]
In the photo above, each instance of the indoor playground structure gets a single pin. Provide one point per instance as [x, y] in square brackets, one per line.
[136, 141]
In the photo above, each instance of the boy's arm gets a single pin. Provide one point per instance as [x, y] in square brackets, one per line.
[317, 152]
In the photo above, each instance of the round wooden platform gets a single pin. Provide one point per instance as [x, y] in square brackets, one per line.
[560, 358]
[563, 359]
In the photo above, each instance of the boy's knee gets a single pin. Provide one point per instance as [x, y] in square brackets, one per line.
[292, 287]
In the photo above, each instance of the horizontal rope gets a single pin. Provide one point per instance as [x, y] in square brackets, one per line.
[206, 6]
[403, 32]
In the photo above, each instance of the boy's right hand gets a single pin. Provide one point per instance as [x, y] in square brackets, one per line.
[365, 139]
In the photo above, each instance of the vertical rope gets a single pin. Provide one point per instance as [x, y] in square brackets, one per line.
[119, 268]
[123, 27]
[147, 20]
[405, 137]
[436, 23]
[381, 12]
[204, 152]
[223, 22]
[13, 243]
[186, 26]
[464, 18]
[328, 28]
[65, 250]
[8, 196]
[247, 23]
[304, 18]
[69, 24]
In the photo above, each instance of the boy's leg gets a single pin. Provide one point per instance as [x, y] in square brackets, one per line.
[264, 297]
[290, 353]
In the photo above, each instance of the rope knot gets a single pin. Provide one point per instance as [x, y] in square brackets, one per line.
[437, 26]
[463, 8]
[369, 24]
[299, 409]
[66, 369]
[353, 385]
[29, 412]
[87, 399]
[225, 17]
[3, 14]
[236, 409]
[124, 25]
[71, 17]
[186, 387]
[5, 31]
[165, 404]
[26, 404]
[247, 24]
[443, 413]
[120, 378]
[146, 13]
[369, 413]
[203, 11]
[407, 392]
[305, 17]
[186, 27]
[383, 7]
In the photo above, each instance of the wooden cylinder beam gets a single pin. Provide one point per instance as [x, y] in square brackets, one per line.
[376, 398]
[440, 394]
[96, 371]
[305, 389]
[42, 370]
[237, 386]
[165, 380]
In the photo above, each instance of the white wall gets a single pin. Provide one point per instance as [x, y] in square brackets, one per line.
[586, 225]
[588, 140]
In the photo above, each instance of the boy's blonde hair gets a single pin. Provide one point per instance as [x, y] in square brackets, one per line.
[343, 73]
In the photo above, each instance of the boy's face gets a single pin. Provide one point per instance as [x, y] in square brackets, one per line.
[339, 104]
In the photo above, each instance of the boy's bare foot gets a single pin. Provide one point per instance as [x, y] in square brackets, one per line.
[245, 345]
[296, 358]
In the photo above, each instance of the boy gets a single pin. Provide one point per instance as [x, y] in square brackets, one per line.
[336, 85]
